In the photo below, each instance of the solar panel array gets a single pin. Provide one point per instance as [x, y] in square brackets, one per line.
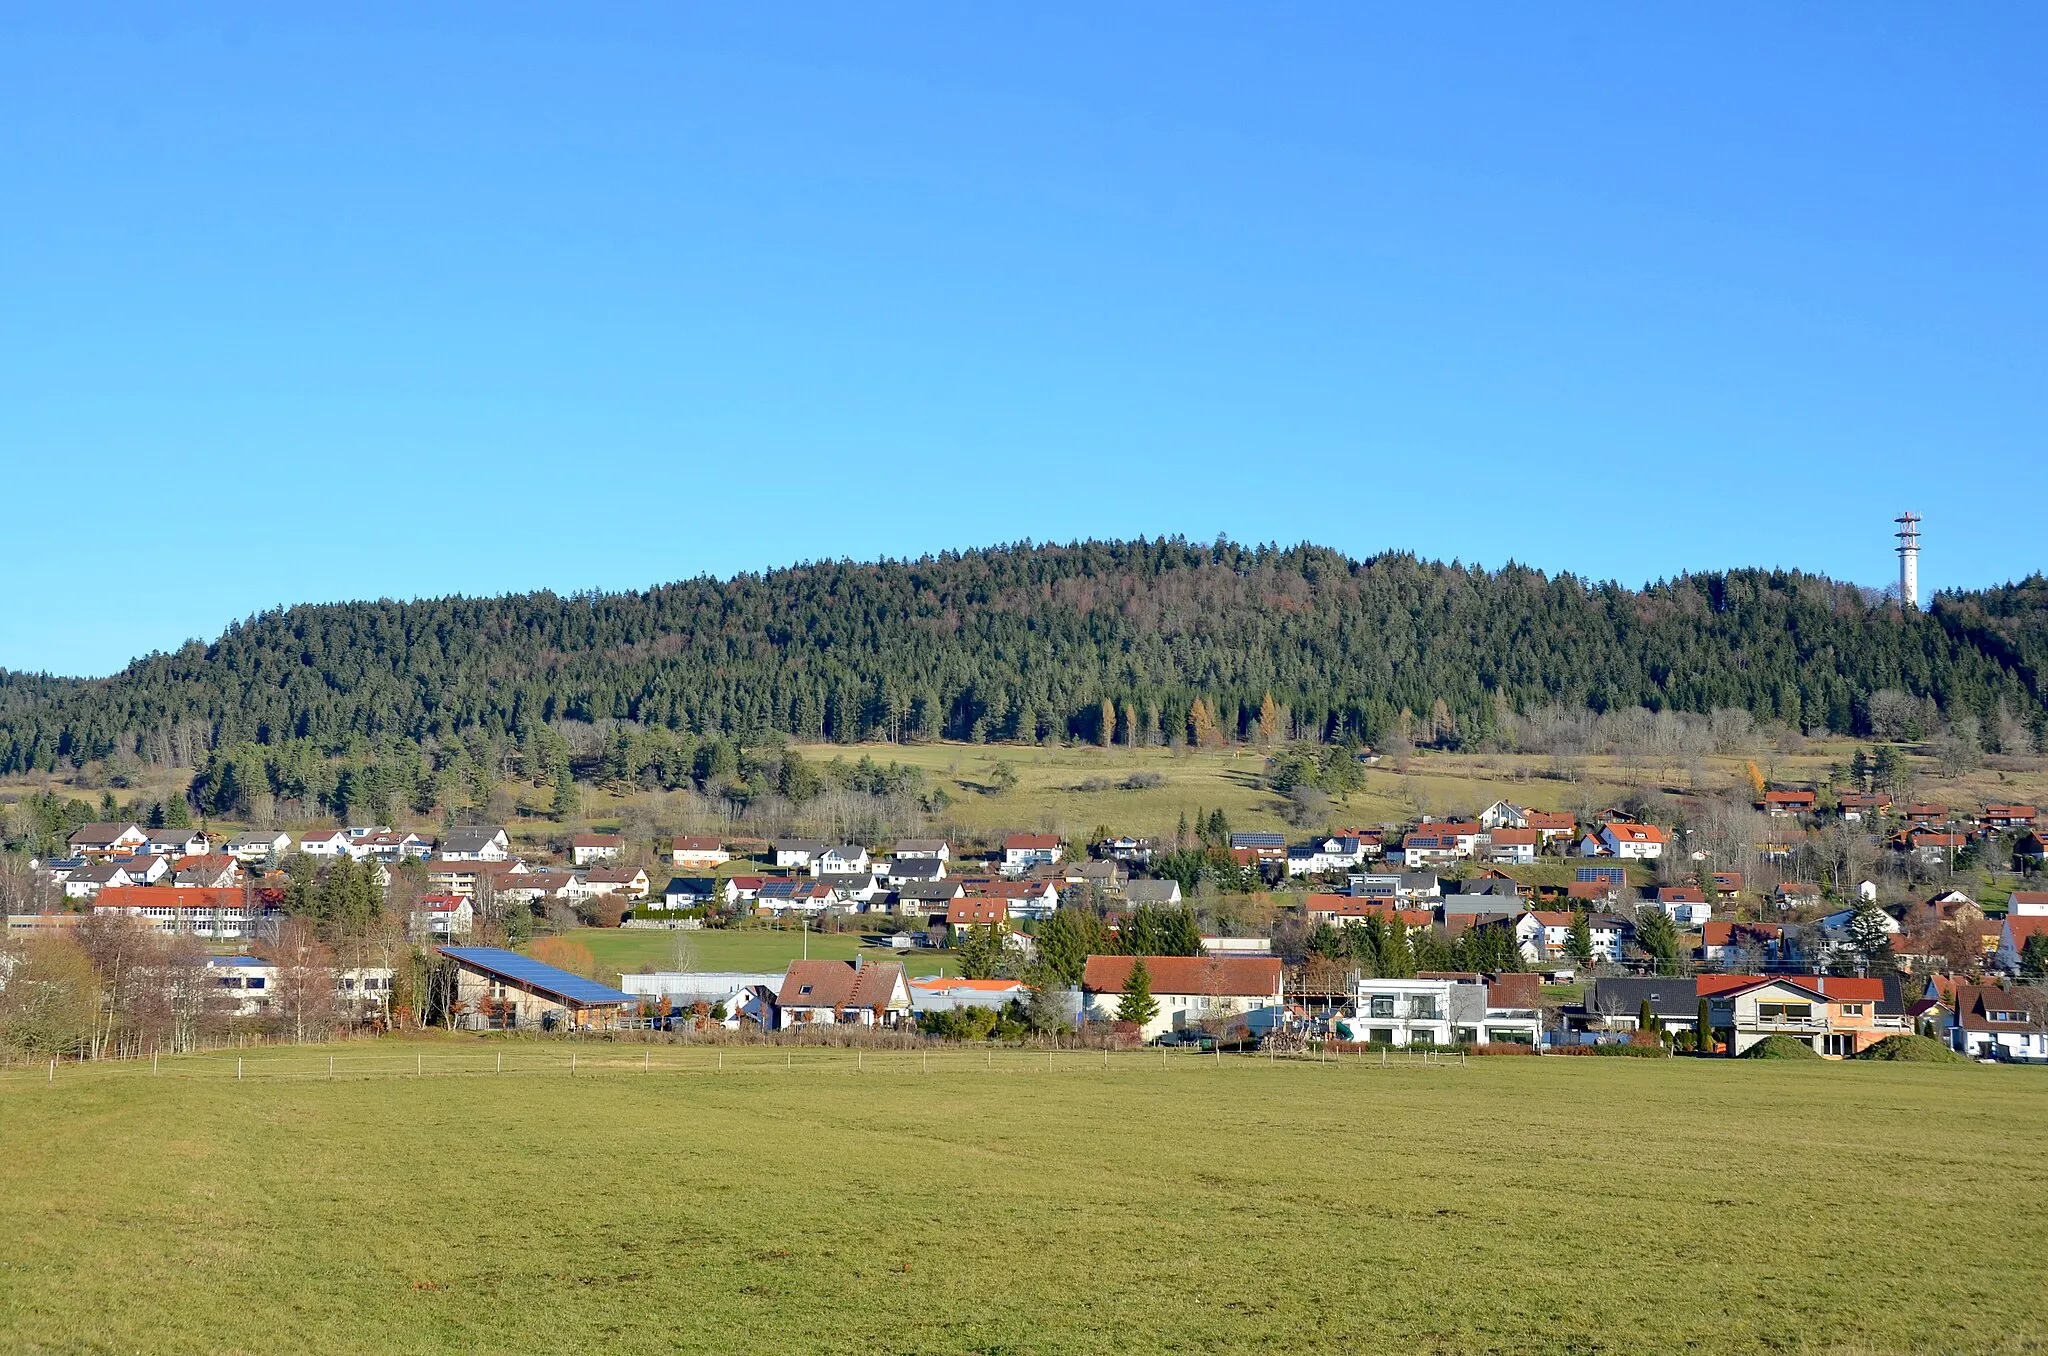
[535, 974]
[1606, 875]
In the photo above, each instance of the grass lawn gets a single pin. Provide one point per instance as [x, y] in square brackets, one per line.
[626, 950]
[1023, 1205]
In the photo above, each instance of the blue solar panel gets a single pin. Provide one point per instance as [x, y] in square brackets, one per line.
[526, 970]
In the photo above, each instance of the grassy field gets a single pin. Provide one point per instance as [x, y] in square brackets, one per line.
[745, 949]
[1025, 1204]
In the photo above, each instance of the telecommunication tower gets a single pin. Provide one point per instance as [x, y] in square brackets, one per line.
[1909, 558]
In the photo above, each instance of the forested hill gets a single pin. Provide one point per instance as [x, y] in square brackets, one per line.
[1031, 641]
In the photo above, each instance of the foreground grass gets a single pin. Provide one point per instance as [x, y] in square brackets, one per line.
[1017, 1203]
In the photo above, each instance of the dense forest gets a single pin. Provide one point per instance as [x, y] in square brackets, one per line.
[1141, 641]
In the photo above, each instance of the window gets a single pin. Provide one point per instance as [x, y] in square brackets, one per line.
[804, 990]
[1382, 1005]
[1424, 1010]
[256, 983]
[1784, 1012]
[1852, 1009]
[1381, 1035]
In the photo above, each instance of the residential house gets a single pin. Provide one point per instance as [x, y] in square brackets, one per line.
[1780, 804]
[88, 882]
[694, 892]
[794, 896]
[846, 859]
[900, 871]
[586, 848]
[1927, 812]
[1514, 846]
[628, 881]
[1932, 847]
[1857, 806]
[1258, 849]
[364, 991]
[799, 854]
[920, 896]
[1502, 815]
[2027, 904]
[2015, 930]
[497, 990]
[842, 993]
[1552, 826]
[1033, 900]
[1107, 875]
[108, 840]
[2031, 849]
[483, 844]
[859, 888]
[698, 851]
[1543, 935]
[1345, 910]
[177, 843]
[2008, 817]
[1128, 849]
[441, 918]
[1156, 892]
[729, 997]
[1728, 942]
[1634, 842]
[1428, 847]
[1318, 855]
[1835, 1019]
[1432, 1010]
[1022, 851]
[1996, 1023]
[465, 878]
[326, 843]
[976, 911]
[1727, 882]
[924, 849]
[1609, 932]
[258, 845]
[386, 846]
[214, 871]
[1616, 1005]
[1796, 894]
[1685, 904]
[1209, 992]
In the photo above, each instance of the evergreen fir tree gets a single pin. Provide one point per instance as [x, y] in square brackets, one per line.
[1137, 1005]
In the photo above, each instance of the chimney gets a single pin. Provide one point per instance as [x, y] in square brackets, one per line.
[857, 958]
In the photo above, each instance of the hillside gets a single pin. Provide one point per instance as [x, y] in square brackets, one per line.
[1033, 642]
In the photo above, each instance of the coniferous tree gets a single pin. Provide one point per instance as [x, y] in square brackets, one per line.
[1137, 1005]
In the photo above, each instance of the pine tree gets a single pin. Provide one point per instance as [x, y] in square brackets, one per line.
[1646, 1019]
[1137, 1005]
[1706, 1028]
[1397, 958]
[1580, 945]
[1105, 725]
[1870, 938]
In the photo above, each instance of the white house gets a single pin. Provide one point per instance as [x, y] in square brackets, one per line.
[914, 849]
[258, 845]
[798, 854]
[1444, 1011]
[1511, 846]
[587, 848]
[1995, 1023]
[326, 843]
[1639, 842]
[1318, 855]
[485, 844]
[441, 917]
[177, 843]
[1686, 905]
[1503, 815]
[88, 881]
[731, 997]
[1209, 992]
[107, 840]
[842, 993]
[1022, 851]
[844, 860]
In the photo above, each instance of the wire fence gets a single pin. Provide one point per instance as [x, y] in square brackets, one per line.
[567, 1060]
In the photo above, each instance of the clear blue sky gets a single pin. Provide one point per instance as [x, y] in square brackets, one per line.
[304, 303]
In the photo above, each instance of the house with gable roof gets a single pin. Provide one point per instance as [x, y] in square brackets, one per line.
[842, 993]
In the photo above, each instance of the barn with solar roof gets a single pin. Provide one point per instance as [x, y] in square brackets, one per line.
[499, 990]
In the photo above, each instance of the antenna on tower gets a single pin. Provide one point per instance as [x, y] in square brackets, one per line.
[1909, 558]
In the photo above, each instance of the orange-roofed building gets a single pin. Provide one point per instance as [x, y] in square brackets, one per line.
[1214, 992]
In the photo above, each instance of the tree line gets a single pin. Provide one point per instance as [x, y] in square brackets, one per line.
[1144, 642]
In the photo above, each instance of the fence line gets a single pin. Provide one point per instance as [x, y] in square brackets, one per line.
[290, 1065]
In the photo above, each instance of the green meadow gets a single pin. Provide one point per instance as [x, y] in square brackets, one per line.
[677, 1198]
[755, 949]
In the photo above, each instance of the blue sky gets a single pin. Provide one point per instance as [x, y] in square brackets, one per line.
[302, 303]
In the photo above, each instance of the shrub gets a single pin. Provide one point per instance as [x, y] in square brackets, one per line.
[1779, 1047]
[1912, 1050]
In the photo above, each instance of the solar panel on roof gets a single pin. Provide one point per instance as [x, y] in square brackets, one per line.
[535, 974]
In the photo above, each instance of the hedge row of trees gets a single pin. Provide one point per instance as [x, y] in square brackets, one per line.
[1141, 642]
